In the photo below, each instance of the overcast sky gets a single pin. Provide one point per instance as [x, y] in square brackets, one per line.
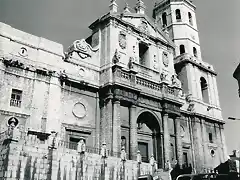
[64, 21]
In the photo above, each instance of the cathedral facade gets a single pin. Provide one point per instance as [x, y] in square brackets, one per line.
[137, 85]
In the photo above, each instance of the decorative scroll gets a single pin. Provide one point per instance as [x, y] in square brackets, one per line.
[83, 49]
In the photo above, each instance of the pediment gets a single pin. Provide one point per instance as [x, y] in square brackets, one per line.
[145, 25]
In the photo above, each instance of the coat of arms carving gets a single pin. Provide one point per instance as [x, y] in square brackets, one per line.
[165, 59]
[122, 40]
[144, 27]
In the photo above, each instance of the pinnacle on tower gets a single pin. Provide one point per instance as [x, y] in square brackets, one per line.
[113, 6]
[126, 8]
[140, 7]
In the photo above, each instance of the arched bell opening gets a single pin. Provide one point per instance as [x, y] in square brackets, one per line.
[149, 137]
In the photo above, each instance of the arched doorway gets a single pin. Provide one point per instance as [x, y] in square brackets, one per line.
[149, 137]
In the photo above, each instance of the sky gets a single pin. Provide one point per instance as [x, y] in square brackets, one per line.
[64, 21]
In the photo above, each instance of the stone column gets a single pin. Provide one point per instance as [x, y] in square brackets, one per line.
[179, 140]
[133, 133]
[116, 136]
[106, 123]
[197, 145]
[166, 137]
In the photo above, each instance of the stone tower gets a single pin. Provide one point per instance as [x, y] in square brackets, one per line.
[178, 19]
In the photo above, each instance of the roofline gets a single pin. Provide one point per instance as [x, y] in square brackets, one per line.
[163, 2]
[236, 71]
[115, 16]
[196, 64]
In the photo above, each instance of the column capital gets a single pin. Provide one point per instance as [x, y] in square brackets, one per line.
[165, 114]
[133, 105]
[116, 101]
[178, 117]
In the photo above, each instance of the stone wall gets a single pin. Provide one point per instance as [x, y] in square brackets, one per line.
[28, 158]
[4, 151]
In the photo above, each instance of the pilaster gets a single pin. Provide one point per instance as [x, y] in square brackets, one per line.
[133, 133]
[106, 115]
[197, 144]
[205, 145]
[225, 155]
[179, 140]
[116, 126]
[166, 137]
[54, 104]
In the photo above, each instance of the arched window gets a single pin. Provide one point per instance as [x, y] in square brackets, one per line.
[164, 19]
[195, 52]
[182, 49]
[204, 90]
[178, 15]
[190, 18]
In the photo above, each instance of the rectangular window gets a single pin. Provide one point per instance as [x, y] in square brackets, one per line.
[143, 54]
[143, 148]
[72, 138]
[73, 143]
[16, 98]
[210, 137]
[185, 158]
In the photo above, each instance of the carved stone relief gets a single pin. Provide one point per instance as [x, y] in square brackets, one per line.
[165, 59]
[155, 62]
[79, 110]
[122, 40]
[144, 27]
[182, 131]
[82, 72]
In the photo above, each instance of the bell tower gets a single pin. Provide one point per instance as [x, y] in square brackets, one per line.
[178, 17]
[198, 78]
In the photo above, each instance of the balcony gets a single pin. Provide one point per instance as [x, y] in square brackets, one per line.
[147, 85]
[146, 72]
[15, 103]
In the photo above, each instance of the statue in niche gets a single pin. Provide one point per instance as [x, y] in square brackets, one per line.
[163, 76]
[123, 154]
[81, 146]
[104, 150]
[116, 57]
[130, 63]
[175, 81]
[123, 142]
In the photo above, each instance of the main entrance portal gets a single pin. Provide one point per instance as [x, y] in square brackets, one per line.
[149, 137]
